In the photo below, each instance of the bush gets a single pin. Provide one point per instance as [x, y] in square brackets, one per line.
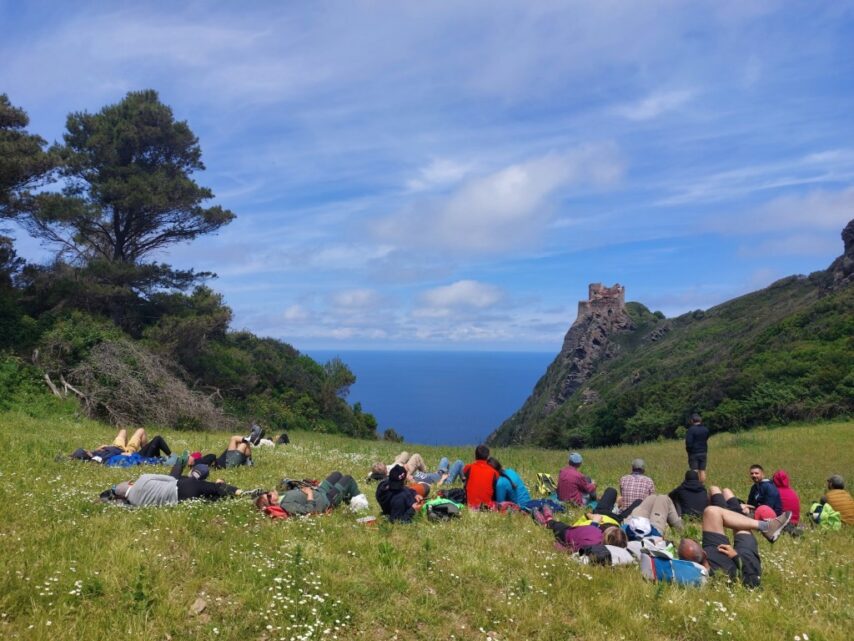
[127, 385]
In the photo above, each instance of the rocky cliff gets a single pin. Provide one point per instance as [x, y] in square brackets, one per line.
[587, 343]
[624, 374]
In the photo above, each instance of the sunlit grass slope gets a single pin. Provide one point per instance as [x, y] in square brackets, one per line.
[76, 569]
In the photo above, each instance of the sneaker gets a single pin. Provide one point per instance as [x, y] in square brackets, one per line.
[775, 526]
[256, 434]
[538, 516]
[254, 493]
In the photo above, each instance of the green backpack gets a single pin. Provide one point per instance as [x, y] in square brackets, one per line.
[825, 516]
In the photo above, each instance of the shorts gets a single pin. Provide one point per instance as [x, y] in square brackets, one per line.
[718, 561]
[128, 447]
[748, 552]
[697, 461]
[732, 504]
[233, 458]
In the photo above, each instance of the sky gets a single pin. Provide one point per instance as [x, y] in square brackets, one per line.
[452, 175]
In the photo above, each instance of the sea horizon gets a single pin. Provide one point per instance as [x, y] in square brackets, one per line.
[440, 397]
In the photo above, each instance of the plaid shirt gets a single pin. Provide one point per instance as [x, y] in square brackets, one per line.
[635, 486]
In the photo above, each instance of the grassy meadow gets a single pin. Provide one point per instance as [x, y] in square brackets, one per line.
[74, 568]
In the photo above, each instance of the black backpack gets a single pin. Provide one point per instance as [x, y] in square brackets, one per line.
[442, 511]
[456, 494]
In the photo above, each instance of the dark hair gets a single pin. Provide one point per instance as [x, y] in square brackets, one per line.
[691, 475]
[495, 464]
[695, 418]
[481, 453]
[756, 466]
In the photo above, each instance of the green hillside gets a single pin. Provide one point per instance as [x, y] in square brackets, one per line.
[781, 354]
[78, 569]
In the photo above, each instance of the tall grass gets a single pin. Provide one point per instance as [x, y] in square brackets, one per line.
[74, 568]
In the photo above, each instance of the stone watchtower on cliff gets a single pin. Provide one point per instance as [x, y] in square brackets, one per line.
[602, 300]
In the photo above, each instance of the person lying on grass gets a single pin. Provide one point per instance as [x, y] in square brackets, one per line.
[398, 502]
[172, 488]
[599, 529]
[139, 443]
[445, 474]
[716, 553]
[307, 498]
[238, 452]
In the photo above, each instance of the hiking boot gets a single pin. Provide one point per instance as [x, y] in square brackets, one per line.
[775, 526]
[256, 434]
[538, 516]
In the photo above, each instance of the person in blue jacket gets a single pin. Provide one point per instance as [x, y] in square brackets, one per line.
[763, 492]
[510, 486]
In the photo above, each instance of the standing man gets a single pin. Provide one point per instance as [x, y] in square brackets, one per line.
[635, 486]
[572, 485]
[697, 446]
[763, 492]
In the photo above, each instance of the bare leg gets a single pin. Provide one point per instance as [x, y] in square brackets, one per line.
[121, 439]
[245, 449]
[714, 489]
[701, 474]
[728, 494]
[716, 519]
[234, 443]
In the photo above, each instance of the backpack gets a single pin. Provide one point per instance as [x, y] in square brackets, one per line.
[546, 485]
[823, 515]
[456, 494]
[440, 509]
[660, 567]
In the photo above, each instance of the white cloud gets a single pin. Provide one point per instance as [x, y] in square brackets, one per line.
[505, 209]
[296, 313]
[356, 299]
[800, 244]
[655, 104]
[441, 172]
[814, 210]
[461, 296]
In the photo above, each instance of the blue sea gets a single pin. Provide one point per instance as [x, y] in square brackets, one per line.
[441, 398]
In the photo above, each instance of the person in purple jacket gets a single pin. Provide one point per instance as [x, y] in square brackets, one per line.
[572, 485]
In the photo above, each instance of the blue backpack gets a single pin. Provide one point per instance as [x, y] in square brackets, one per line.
[657, 566]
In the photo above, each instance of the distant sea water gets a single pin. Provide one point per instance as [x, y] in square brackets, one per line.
[441, 398]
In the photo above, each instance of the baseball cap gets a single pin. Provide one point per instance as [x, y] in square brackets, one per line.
[396, 477]
[200, 471]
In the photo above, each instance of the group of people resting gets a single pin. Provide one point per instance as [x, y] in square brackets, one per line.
[634, 510]
[139, 449]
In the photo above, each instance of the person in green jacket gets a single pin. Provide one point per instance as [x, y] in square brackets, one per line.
[308, 499]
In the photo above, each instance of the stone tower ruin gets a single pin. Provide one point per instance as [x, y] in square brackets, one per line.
[602, 300]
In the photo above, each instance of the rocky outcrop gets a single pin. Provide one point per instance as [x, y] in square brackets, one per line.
[586, 344]
[842, 269]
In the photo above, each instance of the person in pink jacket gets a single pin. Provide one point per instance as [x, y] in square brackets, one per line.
[788, 497]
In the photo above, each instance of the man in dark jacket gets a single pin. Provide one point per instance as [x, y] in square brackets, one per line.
[763, 492]
[691, 497]
[398, 503]
[697, 446]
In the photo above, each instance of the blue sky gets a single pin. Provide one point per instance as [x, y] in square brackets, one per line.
[452, 175]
